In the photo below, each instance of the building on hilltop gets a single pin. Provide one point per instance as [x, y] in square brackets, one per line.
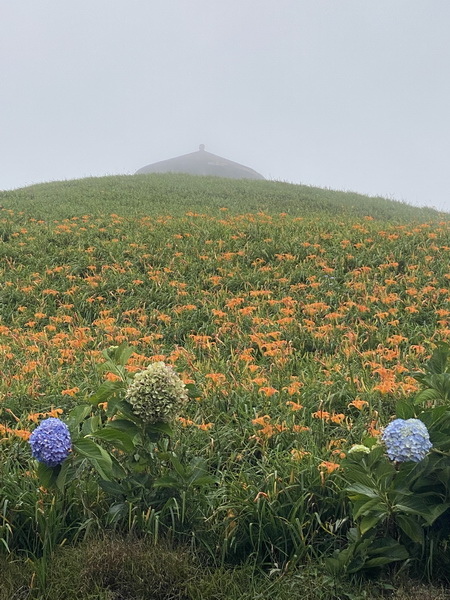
[202, 163]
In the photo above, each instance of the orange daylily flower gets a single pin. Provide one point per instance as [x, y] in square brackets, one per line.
[294, 405]
[299, 454]
[268, 391]
[70, 392]
[328, 467]
[358, 403]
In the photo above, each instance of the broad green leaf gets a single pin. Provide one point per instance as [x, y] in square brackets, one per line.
[356, 564]
[112, 488]
[411, 528]
[428, 507]
[124, 425]
[113, 405]
[357, 475]
[120, 438]
[47, 475]
[335, 566]
[437, 387]
[436, 511]
[443, 475]
[438, 363]
[198, 473]
[179, 468]
[160, 427]
[124, 408]
[407, 474]
[91, 424]
[123, 353]
[370, 441]
[118, 355]
[97, 456]
[369, 522]
[167, 481]
[441, 383]
[388, 547]
[63, 474]
[375, 506]
[383, 560]
[427, 395]
[106, 390]
[359, 488]
[404, 410]
[118, 471]
[76, 416]
[362, 506]
[440, 440]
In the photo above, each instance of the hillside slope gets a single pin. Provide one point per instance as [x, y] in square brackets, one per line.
[158, 194]
[298, 316]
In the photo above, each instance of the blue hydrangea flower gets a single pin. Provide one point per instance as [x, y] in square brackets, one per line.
[406, 440]
[50, 442]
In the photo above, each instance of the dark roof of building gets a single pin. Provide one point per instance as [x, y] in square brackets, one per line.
[202, 163]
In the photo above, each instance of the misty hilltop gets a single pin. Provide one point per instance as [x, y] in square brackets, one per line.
[202, 163]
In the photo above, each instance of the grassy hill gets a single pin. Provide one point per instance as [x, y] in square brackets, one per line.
[157, 194]
[296, 317]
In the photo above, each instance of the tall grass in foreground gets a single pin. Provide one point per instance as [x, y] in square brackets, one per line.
[113, 568]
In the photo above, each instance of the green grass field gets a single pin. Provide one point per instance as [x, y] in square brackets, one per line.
[299, 315]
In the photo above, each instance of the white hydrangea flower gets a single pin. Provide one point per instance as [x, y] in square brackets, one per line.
[359, 448]
[156, 393]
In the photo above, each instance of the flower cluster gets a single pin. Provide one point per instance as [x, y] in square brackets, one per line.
[156, 393]
[406, 440]
[50, 442]
[359, 448]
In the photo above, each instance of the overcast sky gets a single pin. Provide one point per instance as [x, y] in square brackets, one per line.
[344, 94]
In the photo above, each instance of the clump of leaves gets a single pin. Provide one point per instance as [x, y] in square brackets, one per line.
[401, 501]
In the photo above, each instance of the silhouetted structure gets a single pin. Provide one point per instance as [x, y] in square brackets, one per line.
[202, 163]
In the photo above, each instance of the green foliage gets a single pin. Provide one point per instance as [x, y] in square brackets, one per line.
[402, 509]
[296, 313]
[152, 195]
[135, 465]
[109, 567]
[435, 379]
